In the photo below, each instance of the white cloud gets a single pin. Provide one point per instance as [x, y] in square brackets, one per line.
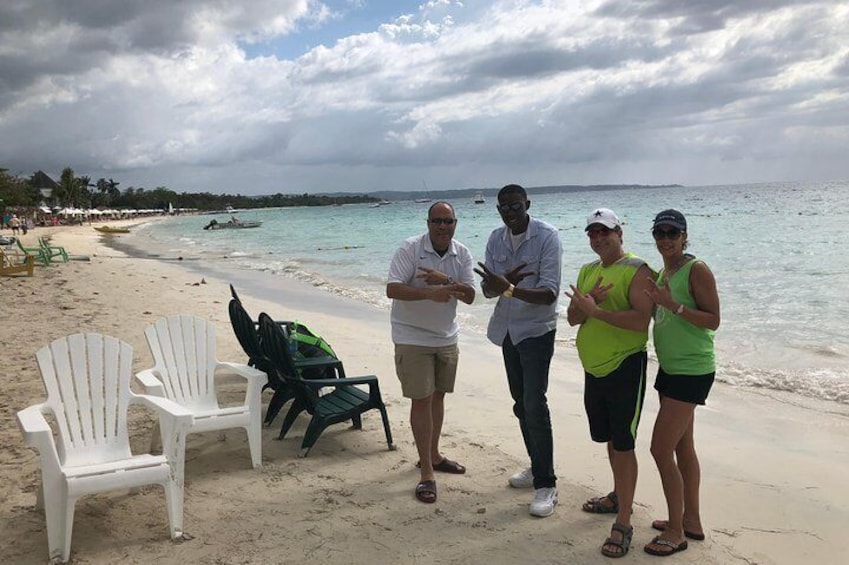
[162, 93]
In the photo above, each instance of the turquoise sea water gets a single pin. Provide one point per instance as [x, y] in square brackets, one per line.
[778, 251]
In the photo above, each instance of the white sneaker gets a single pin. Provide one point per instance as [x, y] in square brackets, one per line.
[545, 499]
[522, 479]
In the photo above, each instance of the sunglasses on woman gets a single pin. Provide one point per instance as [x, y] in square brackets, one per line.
[671, 233]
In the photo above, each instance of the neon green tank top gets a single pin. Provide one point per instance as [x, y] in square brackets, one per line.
[681, 347]
[603, 347]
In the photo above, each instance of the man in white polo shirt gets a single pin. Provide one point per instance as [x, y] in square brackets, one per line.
[428, 274]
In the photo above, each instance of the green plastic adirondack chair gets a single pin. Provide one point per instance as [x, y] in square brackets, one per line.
[53, 250]
[37, 252]
[344, 401]
[248, 335]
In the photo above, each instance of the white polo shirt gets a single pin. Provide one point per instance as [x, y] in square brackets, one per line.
[425, 322]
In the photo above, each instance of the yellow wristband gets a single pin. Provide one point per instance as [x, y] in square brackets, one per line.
[509, 292]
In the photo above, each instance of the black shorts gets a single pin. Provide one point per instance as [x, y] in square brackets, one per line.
[686, 388]
[614, 402]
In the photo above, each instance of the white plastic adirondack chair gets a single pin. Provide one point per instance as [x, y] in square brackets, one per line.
[87, 377]
[185, 369]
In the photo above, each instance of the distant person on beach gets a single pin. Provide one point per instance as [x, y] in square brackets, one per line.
[15, 224]
[686, 316]
[522, 269]
[429, 273]
[610, 304]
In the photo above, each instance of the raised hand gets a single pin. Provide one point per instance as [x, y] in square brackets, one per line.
[583, 302]
[514, 277]
[432, 276]
[599, 291]
[661, 295]
[444, 293]
[491, 281]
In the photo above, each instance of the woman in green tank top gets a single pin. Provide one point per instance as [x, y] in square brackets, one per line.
[686, 315]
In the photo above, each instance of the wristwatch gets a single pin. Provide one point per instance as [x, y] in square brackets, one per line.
[680, 309]
[509, 292]
[449, 280]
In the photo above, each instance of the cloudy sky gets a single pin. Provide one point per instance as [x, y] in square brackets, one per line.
[264, 96]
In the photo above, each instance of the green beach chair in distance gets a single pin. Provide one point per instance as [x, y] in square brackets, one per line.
[248, 336]
[37, 252]
[345, 401]
[53, 250]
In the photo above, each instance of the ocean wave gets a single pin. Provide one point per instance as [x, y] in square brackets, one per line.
[824, 384]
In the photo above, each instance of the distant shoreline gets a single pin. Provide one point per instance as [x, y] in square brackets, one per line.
[493, 192]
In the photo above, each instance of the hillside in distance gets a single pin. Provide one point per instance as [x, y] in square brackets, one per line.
[492, 193]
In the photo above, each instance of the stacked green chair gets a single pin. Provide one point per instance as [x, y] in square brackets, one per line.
[53, 250]
[38, 253]
[248, 336]
[344, 401]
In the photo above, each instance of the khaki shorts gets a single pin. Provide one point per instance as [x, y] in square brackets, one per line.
[424, 370]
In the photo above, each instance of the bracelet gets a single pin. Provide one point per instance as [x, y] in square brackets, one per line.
[680, 309]
[509, 292]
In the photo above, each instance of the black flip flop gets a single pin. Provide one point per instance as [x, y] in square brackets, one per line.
[596, 506]
[660, 526]
[446, 466]
[673, 547]
[426, 492]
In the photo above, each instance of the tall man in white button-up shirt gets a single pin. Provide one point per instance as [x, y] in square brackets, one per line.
[428, 274]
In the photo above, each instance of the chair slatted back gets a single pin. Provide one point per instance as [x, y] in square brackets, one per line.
[183, 349]
[87, 377]
[276, 348]
[245, 331]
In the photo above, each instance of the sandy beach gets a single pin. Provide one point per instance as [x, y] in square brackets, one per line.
[772, 463]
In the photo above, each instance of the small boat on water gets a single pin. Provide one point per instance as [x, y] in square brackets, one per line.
[231, 225]
[108, 229]
[479, 199]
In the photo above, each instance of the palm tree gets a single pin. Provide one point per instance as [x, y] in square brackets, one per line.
[65, 192]
[83, 184]
[114, 193]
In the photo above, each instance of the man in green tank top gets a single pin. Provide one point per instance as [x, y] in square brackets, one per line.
[610, 304]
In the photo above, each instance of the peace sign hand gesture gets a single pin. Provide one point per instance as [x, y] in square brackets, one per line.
[661, 295]
[514, 277]
[599, 291]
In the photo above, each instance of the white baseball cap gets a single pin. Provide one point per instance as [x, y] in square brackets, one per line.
[605, 217]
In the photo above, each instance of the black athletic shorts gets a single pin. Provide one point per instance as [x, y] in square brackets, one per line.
[614, 402]
[686, 388]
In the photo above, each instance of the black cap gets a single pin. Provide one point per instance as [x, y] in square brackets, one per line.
[672, 218]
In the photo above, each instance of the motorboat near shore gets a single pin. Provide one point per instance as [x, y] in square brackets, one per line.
[231, 225]
[108, 229]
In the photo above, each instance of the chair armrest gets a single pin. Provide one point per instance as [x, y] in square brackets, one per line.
[37, 434]
[348, 381]
[151, 383]
[250, 374]
[34, 427]
[312, 362]
[165, 408]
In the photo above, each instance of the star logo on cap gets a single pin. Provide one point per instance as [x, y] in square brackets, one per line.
[598, 213]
